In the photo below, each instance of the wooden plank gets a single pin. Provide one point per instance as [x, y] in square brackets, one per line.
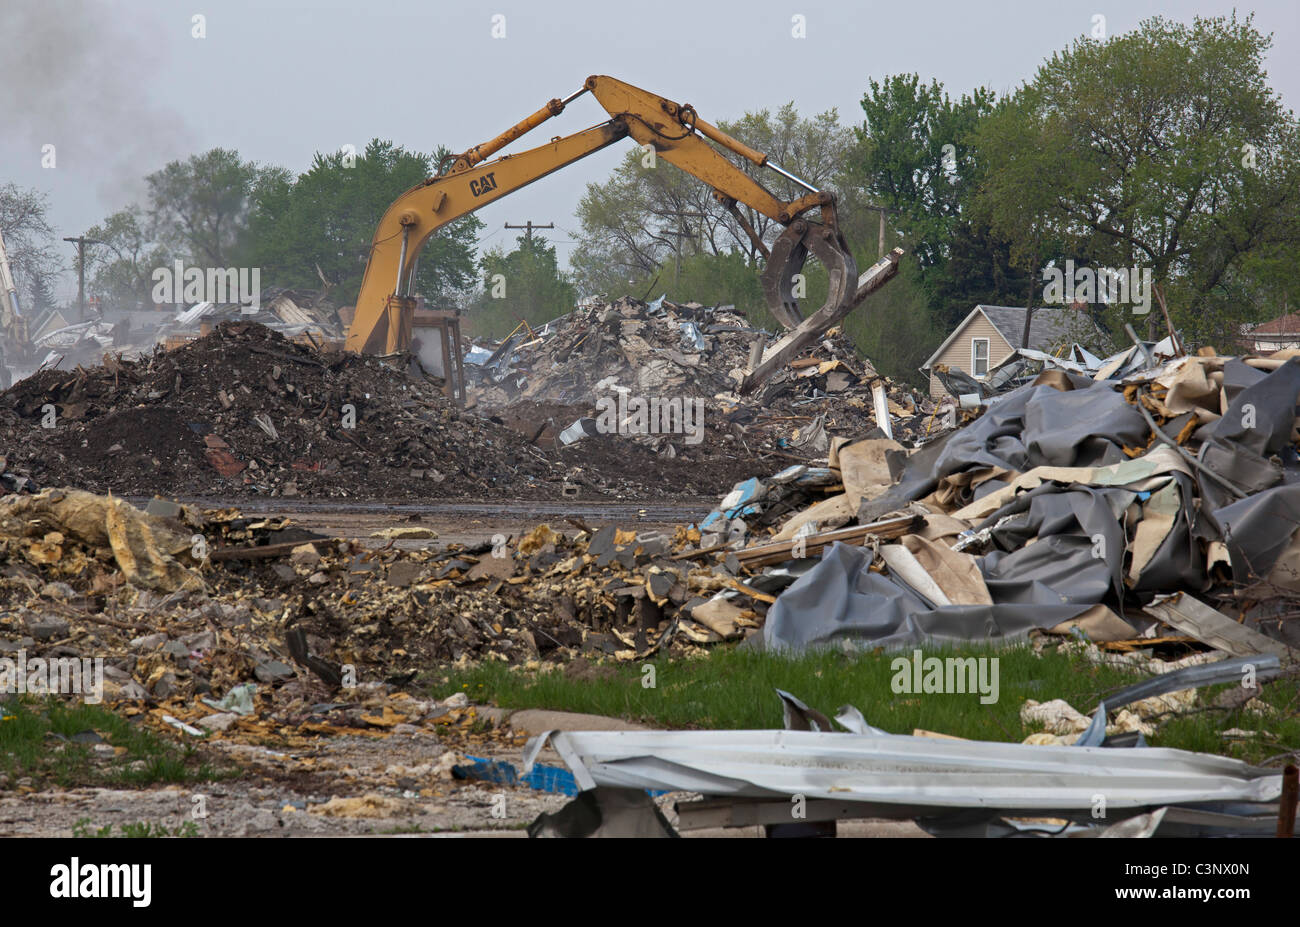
[752, 592]
[880, 404]
[821, 321]
[266, 551]
[765, 554]
[1141, 643]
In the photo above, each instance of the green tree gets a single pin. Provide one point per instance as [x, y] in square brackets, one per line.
[319, 226]
[652, 215]
[40, 296]
[714, 280]
[199, 208]
[29, 239]
[1163, 148]
[525, 285]
[124, 263]
[915, 158]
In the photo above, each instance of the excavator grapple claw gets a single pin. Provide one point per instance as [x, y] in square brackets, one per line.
[781, 279]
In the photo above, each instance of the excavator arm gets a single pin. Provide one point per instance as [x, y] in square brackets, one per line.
[466, 182]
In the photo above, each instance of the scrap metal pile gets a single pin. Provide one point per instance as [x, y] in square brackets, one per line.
[245, 411]
[949, 786]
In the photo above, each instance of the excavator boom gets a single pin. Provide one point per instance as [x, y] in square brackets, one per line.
[15, 343]
[466, 182]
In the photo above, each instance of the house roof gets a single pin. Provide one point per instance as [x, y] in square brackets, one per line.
[49, 320]
[1050, 327]
[1288, 324]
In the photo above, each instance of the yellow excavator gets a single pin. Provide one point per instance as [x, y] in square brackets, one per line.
[385, 306]
[15, 341]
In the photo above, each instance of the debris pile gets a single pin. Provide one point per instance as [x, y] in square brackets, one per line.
[1071, 505]
[299, 315]
[637, 466]
[184, 603]
[607, 356]
[243, 410]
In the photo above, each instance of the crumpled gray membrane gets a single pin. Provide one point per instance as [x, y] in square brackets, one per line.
[1057, 578]
[1029, 427]
[1035, 586]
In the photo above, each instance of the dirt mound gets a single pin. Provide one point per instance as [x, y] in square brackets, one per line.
[612, 462]
[143, 439]
[245, 411]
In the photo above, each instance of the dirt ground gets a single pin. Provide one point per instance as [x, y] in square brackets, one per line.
[289, 794]
[467, 522]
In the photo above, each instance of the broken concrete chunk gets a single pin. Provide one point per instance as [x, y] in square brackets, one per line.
[218, 722]
[270, 671]
[304, 555]
[47, 628]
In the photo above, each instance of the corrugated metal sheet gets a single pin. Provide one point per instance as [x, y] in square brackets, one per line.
[916, 772]
[192, 315]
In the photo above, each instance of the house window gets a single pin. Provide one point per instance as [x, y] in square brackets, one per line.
[979, 357]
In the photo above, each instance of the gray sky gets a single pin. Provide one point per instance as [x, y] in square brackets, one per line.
[120, 86]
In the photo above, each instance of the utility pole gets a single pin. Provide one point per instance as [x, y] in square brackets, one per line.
[528, 228]
[882, 210]
[81, 241]
[678, 234]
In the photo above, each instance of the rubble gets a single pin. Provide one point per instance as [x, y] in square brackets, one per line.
[243, 411]
[1134, 519]
[1122, 511]
[637, 350]
[759, 565]
[298, 315]
[209, 606]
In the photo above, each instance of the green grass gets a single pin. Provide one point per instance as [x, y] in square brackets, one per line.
[733, 689]
[135, 830]
[32, 746]
[403, 829]
[1278, 734]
